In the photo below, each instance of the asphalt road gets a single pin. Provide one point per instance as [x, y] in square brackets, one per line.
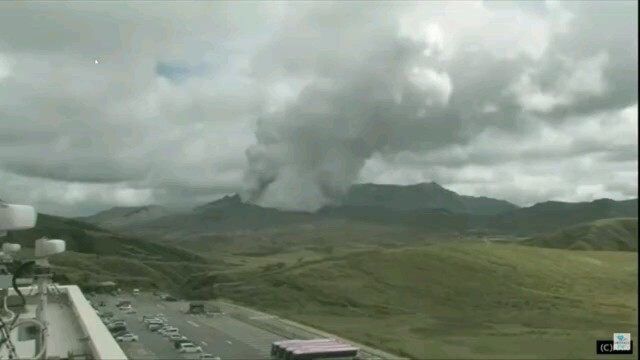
[221, 335]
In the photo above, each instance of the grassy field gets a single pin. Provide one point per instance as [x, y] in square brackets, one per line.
[87, 270]
[604, 234]
[462, 300]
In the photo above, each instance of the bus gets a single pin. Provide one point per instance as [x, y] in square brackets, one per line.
[342, 352]
[278, 347]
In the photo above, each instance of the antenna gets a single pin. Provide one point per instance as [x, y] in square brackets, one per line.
[22, 217]
[16, 217]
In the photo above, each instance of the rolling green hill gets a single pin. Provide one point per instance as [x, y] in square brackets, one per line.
[605, 234]
[94, 255]
[460, 300]
[86, 238]
[553, 215]
[88, 269]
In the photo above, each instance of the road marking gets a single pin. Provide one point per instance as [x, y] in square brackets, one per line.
[229, 342]
[192, 323]
[262, 317]
[204, 343]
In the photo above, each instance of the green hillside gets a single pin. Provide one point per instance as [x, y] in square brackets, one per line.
[86, 238]
[94, 255]
[605, 234]
[553, 215]
[87, 270]
[460, 300]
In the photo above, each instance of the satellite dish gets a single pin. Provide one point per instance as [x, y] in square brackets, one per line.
[17, 217]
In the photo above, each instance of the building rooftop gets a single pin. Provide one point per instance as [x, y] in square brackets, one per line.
[74, 328]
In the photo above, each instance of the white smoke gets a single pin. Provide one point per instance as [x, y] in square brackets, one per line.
[358, 99]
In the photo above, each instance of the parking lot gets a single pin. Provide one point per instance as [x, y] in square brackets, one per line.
[219, 335]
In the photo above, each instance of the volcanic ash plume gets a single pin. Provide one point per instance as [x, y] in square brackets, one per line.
[310, 151]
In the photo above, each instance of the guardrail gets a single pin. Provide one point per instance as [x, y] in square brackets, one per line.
[102, 344]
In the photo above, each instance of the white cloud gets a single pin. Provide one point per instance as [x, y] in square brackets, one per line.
[436, 85]
[5, 66]
[580, 159]
[582, 79]
[336, 77]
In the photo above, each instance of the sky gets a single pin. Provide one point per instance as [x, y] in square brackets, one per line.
[108, 104]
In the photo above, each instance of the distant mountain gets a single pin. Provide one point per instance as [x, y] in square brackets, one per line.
[121, 217]
[428, 208]
[605, 234]
[553, 215]
[422, 196]
[223, 215]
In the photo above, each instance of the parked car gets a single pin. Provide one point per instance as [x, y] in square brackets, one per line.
[116, 323]
[166, 327]
[208, 357]
[130, 311]
[170, 298]
[102, 303]
[154, 327]
[127, 338]
[117, 328]
[177, 343]
[170, 332]
[121, 303]
[175, 337]
[136, 291]
[189, 348]
[120, 333]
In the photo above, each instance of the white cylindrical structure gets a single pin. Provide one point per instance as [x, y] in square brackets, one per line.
[8, 248]
[17, 217]
[46, 247]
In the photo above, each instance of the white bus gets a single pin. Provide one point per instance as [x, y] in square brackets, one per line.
[314, 352]
[279, 347]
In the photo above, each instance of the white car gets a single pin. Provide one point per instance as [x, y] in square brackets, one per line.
[167, 329]
[189, 348]
[127, 338]
[130, 311]
[168, 333]
[208, 357]
[176, 336]
[151, 320]
[125, 307]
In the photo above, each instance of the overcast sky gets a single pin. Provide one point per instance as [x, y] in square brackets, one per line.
[122, 103]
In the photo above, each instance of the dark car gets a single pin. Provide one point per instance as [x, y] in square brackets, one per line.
[118, 328]
[120, 333]
[170, 298]
[102, 303]
[177, 343]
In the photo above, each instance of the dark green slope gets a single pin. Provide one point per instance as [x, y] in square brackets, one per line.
[606, 234]
[90, 239]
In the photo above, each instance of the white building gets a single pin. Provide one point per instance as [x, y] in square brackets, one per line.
[50, 321]
[74, 329]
